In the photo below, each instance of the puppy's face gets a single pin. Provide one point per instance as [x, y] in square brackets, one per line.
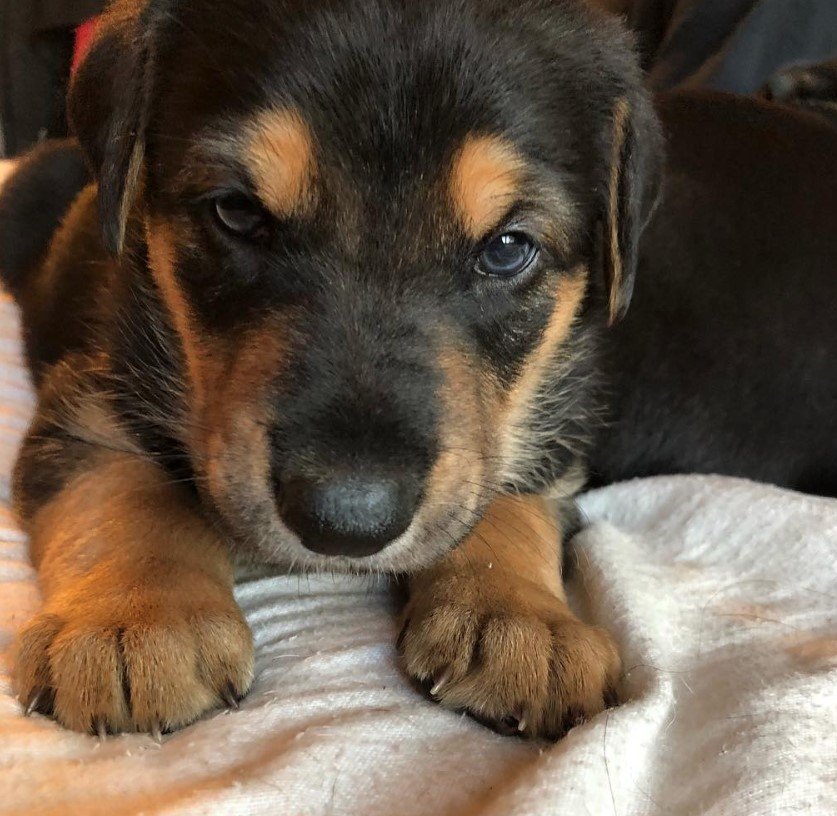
[383, 234]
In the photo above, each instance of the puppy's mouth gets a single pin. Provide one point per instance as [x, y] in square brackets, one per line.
[356, 520]
[350, 526]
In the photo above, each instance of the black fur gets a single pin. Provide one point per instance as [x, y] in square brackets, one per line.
[726, 362]
[32, 204]
[344, 388]
[377, 286]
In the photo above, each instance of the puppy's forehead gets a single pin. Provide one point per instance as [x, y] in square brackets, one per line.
[390, 111]
[482, 179]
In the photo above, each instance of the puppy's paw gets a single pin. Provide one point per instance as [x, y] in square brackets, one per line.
[146, 659]
[517, 660]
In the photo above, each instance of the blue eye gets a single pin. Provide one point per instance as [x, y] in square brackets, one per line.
[507, 255]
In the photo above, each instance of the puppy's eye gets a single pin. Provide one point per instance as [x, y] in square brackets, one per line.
[240, 214]
[507, 255]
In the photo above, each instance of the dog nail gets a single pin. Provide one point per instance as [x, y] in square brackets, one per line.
[522, 723]
[156, 734]
[229, 697]
[34, 699]
[440, 683]
[508, 726]
[100, 728]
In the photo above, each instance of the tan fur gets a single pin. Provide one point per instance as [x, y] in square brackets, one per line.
[89, 419]
[461, 461]
[485, 178]
[490, 628]
[620, 124]
[133, 181]
[519, 400]
[162, 257]
[235, 423]
[240, 366]
[137, 594]
[231, 378]
[280, 154]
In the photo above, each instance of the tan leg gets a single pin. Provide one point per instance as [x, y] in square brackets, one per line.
[489, 628]
[139, 630]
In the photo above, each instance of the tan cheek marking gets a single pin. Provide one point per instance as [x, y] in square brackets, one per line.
[567, 300]
[462, 438]
[238, 419]
[459, 483]
[161, 256]
[280, 155]
[206, 366]
[485, 179]
[230, 376]
[520, 398]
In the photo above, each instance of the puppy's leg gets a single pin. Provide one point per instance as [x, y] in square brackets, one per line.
[139, 630]
[489, 628]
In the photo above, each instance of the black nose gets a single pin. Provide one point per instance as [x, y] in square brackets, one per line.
[350, 515]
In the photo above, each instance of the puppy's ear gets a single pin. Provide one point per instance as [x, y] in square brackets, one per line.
[108, 112]
[632, 190]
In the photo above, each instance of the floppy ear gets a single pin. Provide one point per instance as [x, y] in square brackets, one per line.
[108, 112]
[632, 190]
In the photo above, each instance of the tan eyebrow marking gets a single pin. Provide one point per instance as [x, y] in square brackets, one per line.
[484, 182]
[280, 155]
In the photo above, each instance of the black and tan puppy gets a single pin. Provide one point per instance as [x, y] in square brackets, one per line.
[355, 257]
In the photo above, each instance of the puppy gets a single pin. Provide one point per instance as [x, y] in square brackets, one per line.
[331, 303]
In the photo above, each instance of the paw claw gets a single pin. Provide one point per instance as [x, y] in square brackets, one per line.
[100, 728]
[510, 723]
[440, 683]
[229, 697]
[32, 704]
[101, 672]
[39, 701]
[556, 670]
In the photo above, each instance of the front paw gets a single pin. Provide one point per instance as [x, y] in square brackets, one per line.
[516, 659]
[145, 659]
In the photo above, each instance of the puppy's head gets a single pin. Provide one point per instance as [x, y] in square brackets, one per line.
[384, 233]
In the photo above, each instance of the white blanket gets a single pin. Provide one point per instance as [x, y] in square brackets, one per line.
[722, 595]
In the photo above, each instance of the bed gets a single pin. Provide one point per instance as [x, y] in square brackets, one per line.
[722, 595]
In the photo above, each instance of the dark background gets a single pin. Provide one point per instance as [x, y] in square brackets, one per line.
[731, 45]
[36, 46]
